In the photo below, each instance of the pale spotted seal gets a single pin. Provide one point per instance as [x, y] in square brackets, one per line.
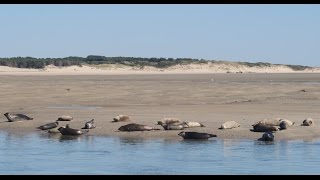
[49, 126]
[136, 127]
[121, 118]
[173, 126]
[270, 122]
[195, 135]
[89, 125]
[193, 124]
[168, 121]
[229, 125]
[307, 122]
[16, 117]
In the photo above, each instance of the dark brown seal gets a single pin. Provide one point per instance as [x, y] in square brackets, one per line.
[263, 128]
[49, 126]
[69, 131]
[136, 127]
[196, 135]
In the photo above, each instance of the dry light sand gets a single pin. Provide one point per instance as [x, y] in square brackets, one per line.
[206, 97]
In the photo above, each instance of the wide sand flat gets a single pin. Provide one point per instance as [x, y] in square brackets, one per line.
[207, 98]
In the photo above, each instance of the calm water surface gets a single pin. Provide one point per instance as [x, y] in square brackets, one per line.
[41, 153]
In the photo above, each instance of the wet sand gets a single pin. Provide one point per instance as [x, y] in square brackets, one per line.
[207, 98]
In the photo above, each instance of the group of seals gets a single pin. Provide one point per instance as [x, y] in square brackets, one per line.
[176, 124]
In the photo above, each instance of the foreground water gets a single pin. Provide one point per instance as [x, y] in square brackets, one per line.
[40, 153]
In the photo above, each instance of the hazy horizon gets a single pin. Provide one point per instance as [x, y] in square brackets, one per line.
[277, 34]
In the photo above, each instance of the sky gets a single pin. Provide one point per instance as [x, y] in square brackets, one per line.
[280, 34]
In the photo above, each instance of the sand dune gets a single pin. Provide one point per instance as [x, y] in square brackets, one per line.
[177, 69]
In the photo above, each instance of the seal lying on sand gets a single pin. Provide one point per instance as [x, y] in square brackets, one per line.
[136, 127]
[193, 124]
[89, 125]
[65, 118]
[270, 122]
[173, 126]
[307, 122]
[285, 124]
[195, 135]
[121, 118]
[55, 130]
[16, 117]
[168, 121]
[49, 126]
[267, 136]
[263, 128]
[69, 131]
[229, 125]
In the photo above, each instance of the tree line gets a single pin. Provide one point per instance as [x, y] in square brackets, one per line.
[40, 63]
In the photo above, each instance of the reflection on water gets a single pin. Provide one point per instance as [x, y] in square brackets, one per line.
[42, 153]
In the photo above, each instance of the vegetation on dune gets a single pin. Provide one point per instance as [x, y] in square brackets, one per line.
[39, 63]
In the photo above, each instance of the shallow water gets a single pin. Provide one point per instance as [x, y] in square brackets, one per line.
[41, 153]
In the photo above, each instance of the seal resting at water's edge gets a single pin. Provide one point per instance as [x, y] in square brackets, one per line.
[229, 125]
[136, 127]
[49, 126]
[89, 125]
[16, 117]
[263, 128]
[65, 118]
[267, 136]
[55, 130]
[69, 131]
[196, 135]
[307, 122]
[121, 118]
[285, 124]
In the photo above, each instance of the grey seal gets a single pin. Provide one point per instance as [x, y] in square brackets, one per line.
[267, 136]
[229, 125]
[70, 131]
[285, 124]
[168, 121]
[89, 125]
[121, 118]
[49, 126]
[196, 135]
[136, 127]
[307, 122]
[16, 117]
[173, 126]
[270, 122]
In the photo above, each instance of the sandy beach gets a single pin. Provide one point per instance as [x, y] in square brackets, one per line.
[209, 98]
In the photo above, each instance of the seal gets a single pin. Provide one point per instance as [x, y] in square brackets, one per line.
[196, 135]
[285, 124]
[16, 117]
[121, 118]
[65, 118]
[136, 127]
[193, 124]
[69, 131]
[263, 128]
[168, 121]
[307, 122]
[55, 130]
[267, 136]
[89, 125]
[173, 126]
[49, 126]
[270, 122]
[229, 125]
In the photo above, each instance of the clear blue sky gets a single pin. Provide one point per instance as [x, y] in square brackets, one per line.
[286, 34]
